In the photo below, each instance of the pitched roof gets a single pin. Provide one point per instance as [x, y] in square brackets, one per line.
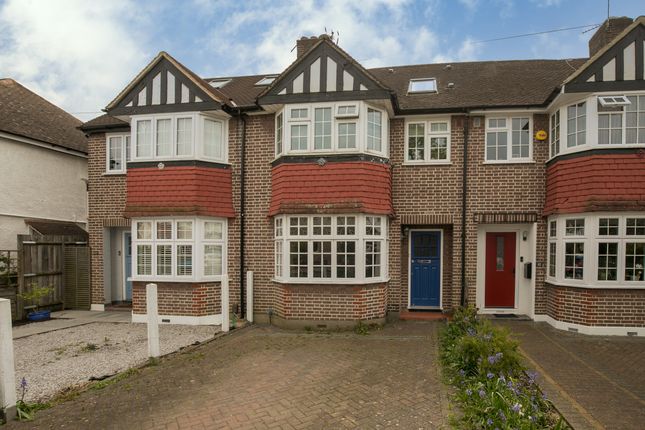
[104, 122]
[55, 228]
[481, 84]
[25, 113]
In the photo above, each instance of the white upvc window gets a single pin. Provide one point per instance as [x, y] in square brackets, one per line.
[180, 136]
[117, 153]
[555, 133]
[327, 128]
[509, 139]
[179, 249]
[427, 141]
[330, 248]
[598, 250]
[576, 124]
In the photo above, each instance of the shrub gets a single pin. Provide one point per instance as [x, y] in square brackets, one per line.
[493, 388]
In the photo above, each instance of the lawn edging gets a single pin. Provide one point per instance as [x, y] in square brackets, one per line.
[492, 387]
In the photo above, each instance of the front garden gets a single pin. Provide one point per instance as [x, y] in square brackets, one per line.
[492, 387]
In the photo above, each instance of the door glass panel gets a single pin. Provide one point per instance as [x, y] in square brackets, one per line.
[500, 254]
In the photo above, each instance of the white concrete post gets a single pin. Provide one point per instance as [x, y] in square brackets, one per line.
[249, 296]
[7, 369]
[153, 320]
[226, 318]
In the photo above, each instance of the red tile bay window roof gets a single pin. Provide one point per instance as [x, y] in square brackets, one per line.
[335, 187]
[606, 182]
[179, 190]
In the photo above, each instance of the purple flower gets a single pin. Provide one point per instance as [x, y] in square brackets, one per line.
[516, 407]
[482, 393]
[23, 383]
[469, 391]
[489, 422]
[495, 358]
[509, 384]
[471, 331]
[502, 416]
[462, 372]
[490, 375]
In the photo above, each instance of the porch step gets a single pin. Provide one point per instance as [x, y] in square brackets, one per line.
[422, 316]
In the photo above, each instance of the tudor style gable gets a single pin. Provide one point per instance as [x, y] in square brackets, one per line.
[324, 73]
[617, 67]
[165, 85]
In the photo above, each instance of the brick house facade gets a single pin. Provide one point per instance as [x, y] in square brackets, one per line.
[354, 194]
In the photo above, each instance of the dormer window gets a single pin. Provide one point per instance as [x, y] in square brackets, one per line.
[423, 85]
[219, 83]
[267, 80]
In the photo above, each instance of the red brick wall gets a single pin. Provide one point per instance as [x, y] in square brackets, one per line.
[358, 186]
[589, 183]
[189, 190]
[106, 201]
[333, 302]
[596, 307]
[190, 299]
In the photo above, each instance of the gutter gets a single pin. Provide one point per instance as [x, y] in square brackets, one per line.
[464, 190]
[242, 123]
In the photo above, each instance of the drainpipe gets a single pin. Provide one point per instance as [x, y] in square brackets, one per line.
[464, 189]
[242, 123]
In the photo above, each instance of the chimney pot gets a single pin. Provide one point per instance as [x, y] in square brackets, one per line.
[304, 44]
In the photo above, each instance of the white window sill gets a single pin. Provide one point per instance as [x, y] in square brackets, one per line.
[617, 285]
[175, 279]
[503, 162]
[427, 163]
[330, 282]
[173, 159]
[114, 174]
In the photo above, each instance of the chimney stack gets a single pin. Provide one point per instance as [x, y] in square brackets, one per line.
[304, 44]
[607, 32]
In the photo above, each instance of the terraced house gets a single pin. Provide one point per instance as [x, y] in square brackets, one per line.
[354, 193]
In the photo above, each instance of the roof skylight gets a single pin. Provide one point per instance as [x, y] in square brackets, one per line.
[219, 83]
[422, 85]
[267, 80]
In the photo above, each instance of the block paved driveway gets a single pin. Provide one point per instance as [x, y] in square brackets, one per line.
[597, 382]
[263, 377]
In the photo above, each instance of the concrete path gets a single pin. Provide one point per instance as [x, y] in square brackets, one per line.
[66, 319]
[596, 382]
[263, 377]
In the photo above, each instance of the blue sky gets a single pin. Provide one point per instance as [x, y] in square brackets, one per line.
[79, 54]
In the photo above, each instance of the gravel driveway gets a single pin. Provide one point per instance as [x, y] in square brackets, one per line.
[60, 359]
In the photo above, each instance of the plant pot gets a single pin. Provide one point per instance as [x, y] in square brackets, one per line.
[39, 315]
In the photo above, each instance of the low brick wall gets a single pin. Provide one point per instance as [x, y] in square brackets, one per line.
[184, 299]
[596, 307]
[333, 302]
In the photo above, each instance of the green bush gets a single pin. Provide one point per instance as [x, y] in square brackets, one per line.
[493, 388]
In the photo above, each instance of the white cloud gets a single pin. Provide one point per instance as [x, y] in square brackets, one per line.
[547, 3]
[75, 53]
[471, 5]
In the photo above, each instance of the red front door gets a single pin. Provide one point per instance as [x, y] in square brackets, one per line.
[500, 270]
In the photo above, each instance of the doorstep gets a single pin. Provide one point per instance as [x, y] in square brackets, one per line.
[407, 315]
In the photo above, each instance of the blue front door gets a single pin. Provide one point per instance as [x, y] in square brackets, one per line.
[127, 244]
[425, 283]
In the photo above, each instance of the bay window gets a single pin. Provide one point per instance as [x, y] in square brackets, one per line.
[576, 124]
[330, 248]
[185, 249]
[598, 250]
[330, 128]
[428, 141]
[180, 136]
[508, 131]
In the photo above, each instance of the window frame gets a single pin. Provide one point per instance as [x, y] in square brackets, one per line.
[126, 140]
[197, 144]
[283, 239]
[508, 129]
[428, 134]
[594, 235]
[198, 243]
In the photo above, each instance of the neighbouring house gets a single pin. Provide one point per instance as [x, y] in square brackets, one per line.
[43, 167]
[354, 193]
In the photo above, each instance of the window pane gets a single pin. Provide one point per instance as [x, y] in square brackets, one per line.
[278, 258]
[115, 153]
[212, 260]
[184, 136]
[298, 259]
[373, 130]
[634, 261]
[164, 260]
[552, 259]
[372, 259]
[144, 230]
[299, 137]
[127, 148]
[345, 259]
[608, 226]
[499, 260]
[321, 259]
[184, 260]
[278, 134]
[184, 229]
[164, 230]
[575, 227]
[438, 127]
[347, 135]
[298, 226]
[607, 261]
[373, 226]
[553, 228]
[322, 128]
[322, 226]
[164, 137]
[346, 226]
[144, 138]
[416, 142]
[438, 148]
[144, 259]
[574, 260]
[299, 113]
[213, 139]
[212, 230]
[636, 226]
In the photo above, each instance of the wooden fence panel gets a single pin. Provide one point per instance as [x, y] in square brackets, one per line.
[77, 277]
[9, 279]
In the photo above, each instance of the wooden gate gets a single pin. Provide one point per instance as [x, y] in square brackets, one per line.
[9, 279]
[57, 262]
